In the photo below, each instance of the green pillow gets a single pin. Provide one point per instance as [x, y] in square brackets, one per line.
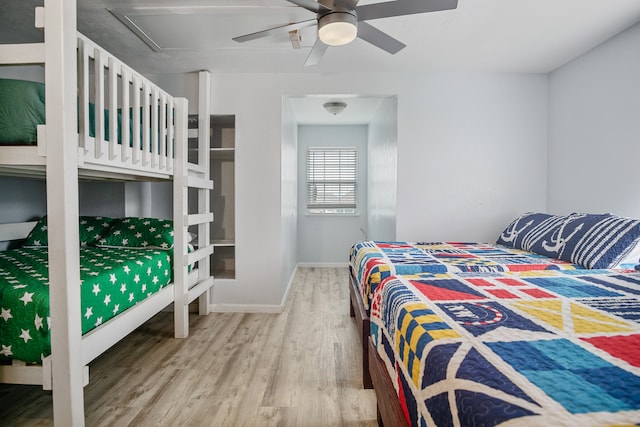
[140, 233]
[91, 228]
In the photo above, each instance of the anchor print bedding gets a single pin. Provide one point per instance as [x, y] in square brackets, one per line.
[590, 240]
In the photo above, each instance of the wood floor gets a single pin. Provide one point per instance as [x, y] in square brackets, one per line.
[298, 368]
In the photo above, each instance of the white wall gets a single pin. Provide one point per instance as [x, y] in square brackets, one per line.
[382, 171]
[101, 198]
[289, 198]
[24, 199]
[33, 73]
[327, 238]
[471, 156]
[184, 85]
[594, 130]
[149, 199]
[259, 222]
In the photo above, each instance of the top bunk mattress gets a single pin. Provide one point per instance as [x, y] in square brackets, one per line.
[112, 281]
[22, 109]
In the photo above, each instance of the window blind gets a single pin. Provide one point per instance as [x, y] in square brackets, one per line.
[332, 180]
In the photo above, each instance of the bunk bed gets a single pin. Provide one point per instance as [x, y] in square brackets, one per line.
[146, 139]
[524, 245]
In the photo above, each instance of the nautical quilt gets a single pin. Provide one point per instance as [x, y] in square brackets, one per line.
[371, 262]
[543, 348]
[112, 280]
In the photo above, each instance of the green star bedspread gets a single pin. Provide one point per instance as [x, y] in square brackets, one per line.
[112, 281]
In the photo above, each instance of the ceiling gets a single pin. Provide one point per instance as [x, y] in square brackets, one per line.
[531, 36]
[489, 35]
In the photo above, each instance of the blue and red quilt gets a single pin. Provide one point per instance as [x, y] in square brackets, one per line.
[371, 262]
[543, 348]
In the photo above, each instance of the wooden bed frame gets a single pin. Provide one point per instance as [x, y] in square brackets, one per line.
[389, 410]
[78, 71]
[357, 310]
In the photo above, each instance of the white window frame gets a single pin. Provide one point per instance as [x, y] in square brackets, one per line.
[332, 181]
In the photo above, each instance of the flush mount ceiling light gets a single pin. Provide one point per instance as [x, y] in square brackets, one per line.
[334, 108]
[338, 28]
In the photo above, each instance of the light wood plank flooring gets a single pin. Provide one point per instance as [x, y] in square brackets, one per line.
[298, 368]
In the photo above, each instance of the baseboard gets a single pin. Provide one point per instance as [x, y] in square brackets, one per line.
[268, 308]
[255, 308]
[323, 264]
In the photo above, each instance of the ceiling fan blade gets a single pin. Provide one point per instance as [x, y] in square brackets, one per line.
[384, 41]
[316, 54]
[282, 28]
[311, 5]
[402, 7]
[348, 4]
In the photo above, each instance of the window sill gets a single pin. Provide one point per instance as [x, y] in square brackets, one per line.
[331, 214]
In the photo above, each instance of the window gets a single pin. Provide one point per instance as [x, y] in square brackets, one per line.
[332, 180]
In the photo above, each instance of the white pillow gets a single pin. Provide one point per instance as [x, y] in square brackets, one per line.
[632, 259]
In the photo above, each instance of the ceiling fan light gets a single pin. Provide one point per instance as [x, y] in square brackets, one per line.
[337, 28]
[334, 108]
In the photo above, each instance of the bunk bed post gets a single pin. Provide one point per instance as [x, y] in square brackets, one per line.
[180, 203]
[204, 235]
[62, 209]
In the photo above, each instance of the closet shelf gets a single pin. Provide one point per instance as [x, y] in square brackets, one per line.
[223, 242]
[222, 153]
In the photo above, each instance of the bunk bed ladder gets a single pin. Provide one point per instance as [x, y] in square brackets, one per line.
[194, 283]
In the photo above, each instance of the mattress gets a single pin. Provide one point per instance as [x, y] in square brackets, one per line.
[371, 262]
[22, 109]
[112, 281]
[555, 347]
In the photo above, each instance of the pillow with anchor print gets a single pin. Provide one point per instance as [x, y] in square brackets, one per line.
[590, 240]
[526, 230]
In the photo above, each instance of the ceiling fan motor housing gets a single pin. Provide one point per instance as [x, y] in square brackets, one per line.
[338, 26]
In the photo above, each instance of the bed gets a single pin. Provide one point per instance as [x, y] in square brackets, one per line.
[85, 86]
[533, 241]
[113, 279]
[371, 262]
[555, 347]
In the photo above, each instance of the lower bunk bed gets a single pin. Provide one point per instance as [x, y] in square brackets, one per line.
[531, 242]
[123, 263]
[525, 348]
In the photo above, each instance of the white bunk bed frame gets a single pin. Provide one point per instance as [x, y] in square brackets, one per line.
[73, 64]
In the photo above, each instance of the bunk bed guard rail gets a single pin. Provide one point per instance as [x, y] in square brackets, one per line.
[124, 119]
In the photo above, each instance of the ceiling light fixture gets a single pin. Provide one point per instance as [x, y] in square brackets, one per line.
[338, 28]
[334, 108]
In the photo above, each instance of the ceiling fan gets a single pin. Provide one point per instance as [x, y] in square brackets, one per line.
[341, 21]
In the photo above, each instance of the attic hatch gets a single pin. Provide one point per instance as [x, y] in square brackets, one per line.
[212, 27]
